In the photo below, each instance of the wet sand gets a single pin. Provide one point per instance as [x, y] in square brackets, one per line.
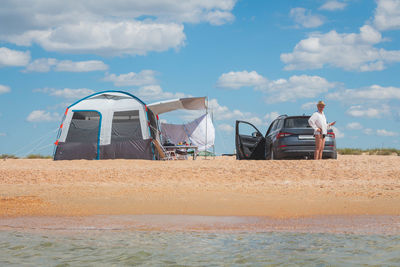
[351, 185]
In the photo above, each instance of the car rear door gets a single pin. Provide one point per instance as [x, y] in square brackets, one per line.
[250, 143]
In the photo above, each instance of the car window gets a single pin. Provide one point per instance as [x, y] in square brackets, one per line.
[280, 124]
[300, 122]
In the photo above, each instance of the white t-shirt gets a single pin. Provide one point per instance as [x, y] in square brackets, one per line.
[318, 120]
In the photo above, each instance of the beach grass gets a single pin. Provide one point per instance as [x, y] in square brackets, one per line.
[371, 151]
[8, 156]
[38, 156]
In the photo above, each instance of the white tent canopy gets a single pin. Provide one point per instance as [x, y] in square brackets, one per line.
[200, 132]
[190, 103]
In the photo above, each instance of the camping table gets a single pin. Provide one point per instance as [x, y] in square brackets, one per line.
[183, 147]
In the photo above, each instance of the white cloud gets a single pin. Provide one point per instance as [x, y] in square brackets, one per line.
[333, 5]
[370, 112]
[41, 65]
[80, 66]
[47, 64]
[280, 90]
[108, 27]
[66, 92]
[226, 128]
[155, 92]
[368, 131]
[350, 51]
[43, 116]
[269, 117]
[338, 133]
[223, 112]
[354, 126]
[370, 93]
[383, 132]
[296, 87]
[304, 18]
[238, 79]
[4, 89]
[14, 58]
[255, 121]
[145, 77]
[309, 105]
[387, 15]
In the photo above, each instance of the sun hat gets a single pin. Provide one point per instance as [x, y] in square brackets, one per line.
[321, 103]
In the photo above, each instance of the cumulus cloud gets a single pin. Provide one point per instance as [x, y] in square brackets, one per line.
[354, 126]
[280, 90]
[4, 89]
[155, 92]
[370, 112]
[13, 58]
[296, 87]
[108, 27]
[333, 5]
[349, 51]
[269, 117]
[387, 15]
[145, 77]
[237, 79]
[370, 93]
[305, 18]
[225, 128]
[368, 131]
[338, 133]
[47, 64]
[43, 116]
[309, 105]
[66, 92]
[383, 132]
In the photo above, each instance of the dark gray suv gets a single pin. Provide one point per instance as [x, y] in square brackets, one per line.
[287, 137]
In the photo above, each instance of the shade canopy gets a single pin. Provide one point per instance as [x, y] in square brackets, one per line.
[190, 103]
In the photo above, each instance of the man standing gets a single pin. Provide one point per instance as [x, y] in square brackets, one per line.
[318, 122]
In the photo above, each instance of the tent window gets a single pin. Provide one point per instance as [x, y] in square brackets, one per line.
[84, 127]
[126, 126]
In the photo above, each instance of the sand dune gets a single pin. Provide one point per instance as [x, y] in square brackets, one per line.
[351, 185]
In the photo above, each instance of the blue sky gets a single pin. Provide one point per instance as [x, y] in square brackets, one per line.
[253, 59]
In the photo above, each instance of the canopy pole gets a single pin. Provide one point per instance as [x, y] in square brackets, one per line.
[205, 150]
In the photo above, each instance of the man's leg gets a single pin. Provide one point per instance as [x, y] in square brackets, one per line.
[317, 145]
[321, 148]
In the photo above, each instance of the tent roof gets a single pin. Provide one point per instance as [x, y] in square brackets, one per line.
[191, 103]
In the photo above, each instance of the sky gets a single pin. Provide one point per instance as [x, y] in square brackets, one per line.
[253, 59]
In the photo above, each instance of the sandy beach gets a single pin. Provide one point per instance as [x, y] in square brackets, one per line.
[351, 185]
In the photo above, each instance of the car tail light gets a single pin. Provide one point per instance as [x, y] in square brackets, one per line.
[280, 135]
[331, 134]
[283, 146]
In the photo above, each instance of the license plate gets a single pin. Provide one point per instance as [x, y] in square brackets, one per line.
[310, 137]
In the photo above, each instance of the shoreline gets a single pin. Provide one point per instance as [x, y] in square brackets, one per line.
[351, 185]
[350, 224]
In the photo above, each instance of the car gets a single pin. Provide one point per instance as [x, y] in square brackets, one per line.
[288, 137]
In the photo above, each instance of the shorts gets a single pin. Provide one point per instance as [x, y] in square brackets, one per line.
[323, 135]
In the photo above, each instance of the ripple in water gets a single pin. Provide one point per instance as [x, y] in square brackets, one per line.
[105, 248]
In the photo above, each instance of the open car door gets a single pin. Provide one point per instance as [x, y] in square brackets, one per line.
[250, 143]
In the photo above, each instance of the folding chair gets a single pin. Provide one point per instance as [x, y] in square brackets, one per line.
[164, 154]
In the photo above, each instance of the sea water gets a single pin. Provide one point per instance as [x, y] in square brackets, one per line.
[186, 248]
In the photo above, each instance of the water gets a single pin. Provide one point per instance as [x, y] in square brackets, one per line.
[185, 248]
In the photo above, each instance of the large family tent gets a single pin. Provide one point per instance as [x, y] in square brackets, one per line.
[199, 132]
[107, 125]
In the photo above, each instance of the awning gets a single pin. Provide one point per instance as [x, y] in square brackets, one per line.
[190, 103]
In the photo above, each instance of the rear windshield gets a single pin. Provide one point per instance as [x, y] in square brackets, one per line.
[300, 122]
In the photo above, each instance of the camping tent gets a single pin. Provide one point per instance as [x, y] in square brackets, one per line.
[107, 125]
[200, 132]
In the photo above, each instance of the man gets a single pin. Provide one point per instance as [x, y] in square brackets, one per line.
[318, 122]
